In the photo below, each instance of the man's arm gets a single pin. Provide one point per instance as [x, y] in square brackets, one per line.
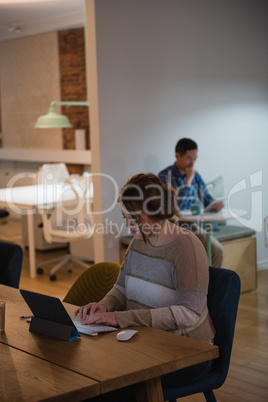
[187, 193]
[190, 173]
[203, 193]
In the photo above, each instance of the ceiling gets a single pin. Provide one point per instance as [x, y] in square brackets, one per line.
[20, 18]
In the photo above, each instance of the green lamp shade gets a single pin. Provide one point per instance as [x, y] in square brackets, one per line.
[53, 120]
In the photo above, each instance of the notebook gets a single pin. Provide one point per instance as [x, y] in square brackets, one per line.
[51, 308]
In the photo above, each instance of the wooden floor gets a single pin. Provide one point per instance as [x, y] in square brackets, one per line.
[247, 380]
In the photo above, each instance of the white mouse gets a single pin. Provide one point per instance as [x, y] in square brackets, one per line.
[126, 334]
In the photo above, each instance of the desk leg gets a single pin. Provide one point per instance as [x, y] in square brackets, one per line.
[149, 391]
[208, 230]
[31, 243]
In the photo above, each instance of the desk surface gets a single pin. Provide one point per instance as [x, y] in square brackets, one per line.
[103, 359]
[28, 197]
[223, 215]
[27, 378]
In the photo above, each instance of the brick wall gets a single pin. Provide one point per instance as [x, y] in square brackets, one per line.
[73, 85]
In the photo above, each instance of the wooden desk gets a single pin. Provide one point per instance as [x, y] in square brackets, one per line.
[27, 378]
[103, 359]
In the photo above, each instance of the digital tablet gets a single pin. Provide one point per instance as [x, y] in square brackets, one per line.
[48, 308]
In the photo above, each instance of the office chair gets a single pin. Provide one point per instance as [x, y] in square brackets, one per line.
[93, 284]
[11, 263]
[3, 216]
[70, 219]
[223, 298]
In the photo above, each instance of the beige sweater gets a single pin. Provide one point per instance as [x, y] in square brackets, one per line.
[164, 287]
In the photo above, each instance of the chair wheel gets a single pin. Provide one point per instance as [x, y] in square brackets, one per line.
[53, 278]
[40, 271]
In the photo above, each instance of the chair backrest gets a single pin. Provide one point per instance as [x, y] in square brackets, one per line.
[11, 263]
[93, 284]
[223, 298]
[52, 173]
[71, 217]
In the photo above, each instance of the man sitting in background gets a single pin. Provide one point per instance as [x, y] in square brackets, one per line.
[191, 188]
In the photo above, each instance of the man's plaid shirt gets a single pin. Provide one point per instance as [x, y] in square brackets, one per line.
[186, 195]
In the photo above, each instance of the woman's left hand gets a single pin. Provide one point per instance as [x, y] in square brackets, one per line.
[102, 318]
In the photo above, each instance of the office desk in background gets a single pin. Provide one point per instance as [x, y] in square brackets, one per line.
[103, 363]
[26, 200]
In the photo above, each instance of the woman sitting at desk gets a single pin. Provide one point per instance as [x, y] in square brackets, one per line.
[164, 278]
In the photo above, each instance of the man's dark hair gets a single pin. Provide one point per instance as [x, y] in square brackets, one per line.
[184, 145]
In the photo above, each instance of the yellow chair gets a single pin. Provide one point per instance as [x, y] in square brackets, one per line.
[93, 284]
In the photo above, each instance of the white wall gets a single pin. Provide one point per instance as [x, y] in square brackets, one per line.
[168, 69]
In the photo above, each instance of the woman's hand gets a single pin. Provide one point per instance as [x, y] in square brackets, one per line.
[102, 318]
[89, 309]
[95, 313]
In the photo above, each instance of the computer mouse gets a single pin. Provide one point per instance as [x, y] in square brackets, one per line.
[126, 334]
